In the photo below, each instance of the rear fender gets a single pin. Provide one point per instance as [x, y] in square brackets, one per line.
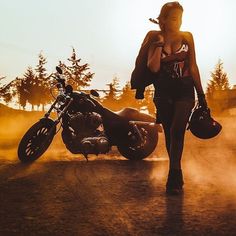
[145, 123]
[134, 115]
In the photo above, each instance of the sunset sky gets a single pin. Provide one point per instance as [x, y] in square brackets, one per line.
[107, 34]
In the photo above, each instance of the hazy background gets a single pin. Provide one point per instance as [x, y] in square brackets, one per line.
[107, 34]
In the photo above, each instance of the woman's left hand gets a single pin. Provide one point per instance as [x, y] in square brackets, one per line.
[202, 101]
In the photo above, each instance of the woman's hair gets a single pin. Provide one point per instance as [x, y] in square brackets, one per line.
[165, 10]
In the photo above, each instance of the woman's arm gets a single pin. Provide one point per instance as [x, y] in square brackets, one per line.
[154, 55]
[193, 64]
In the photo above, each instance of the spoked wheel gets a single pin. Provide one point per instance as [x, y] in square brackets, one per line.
[140, 150]
[36, 140]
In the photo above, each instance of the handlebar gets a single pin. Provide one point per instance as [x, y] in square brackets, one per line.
[66, 90]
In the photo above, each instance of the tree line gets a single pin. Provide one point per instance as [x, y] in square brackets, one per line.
[35, 86]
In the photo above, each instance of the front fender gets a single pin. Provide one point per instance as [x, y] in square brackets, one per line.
[47, 121]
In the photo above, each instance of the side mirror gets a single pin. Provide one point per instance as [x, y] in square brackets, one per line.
[59, 70]
[94, 93]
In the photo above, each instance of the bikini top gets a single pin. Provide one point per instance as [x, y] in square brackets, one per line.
[176, 65]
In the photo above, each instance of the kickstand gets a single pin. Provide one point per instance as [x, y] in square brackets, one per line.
[86, 157]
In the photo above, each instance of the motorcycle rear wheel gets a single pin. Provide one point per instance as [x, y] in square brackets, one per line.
[36, 140]
[133, 152]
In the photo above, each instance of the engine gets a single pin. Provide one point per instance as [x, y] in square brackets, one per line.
[85, 122]
[85, 134]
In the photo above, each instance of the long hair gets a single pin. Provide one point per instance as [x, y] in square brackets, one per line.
[165, 10]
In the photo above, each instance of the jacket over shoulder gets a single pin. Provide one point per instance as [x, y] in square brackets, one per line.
[141, 76]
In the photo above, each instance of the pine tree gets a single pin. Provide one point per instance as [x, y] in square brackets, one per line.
[113, 89]
[32, 88]
[6, 94]
[112, 97]
[22, 93]
[127, 97]
[26, 88]
[77, 74]
[7, 91]
[2, 87]
[42, 85]
[219, 80]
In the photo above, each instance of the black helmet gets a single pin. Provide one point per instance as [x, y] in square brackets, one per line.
[202, 125]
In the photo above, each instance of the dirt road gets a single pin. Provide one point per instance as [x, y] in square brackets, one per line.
[109, 197]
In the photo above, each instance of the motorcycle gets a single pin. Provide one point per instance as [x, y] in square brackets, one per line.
[89, 128]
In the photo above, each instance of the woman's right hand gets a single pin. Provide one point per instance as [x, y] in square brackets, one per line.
[159, 42]
[160, 38]
[154, 54]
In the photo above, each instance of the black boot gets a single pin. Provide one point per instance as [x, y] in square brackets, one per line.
[174, 185]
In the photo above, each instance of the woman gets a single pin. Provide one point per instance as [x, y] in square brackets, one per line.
[172, 59]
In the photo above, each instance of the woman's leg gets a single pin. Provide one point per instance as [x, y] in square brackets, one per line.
[182, 111]
[165, 112]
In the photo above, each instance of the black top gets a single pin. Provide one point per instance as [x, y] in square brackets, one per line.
[175, 65]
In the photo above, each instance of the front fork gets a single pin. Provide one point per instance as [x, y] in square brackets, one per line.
[60, 112]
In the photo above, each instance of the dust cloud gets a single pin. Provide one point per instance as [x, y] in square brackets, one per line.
[13, 125]
[210, 164]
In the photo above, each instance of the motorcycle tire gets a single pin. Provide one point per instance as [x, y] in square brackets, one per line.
[133, 152]
[36, 140]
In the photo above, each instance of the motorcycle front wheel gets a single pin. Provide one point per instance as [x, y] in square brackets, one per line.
[36, 140]
[141, 150]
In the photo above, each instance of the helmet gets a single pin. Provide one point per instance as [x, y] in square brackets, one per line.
[202, 125]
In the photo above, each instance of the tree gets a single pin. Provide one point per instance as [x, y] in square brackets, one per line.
[2, 87]
[112, 97]
[219, 80]
[113, 89]
[77, 75]
[7, 91]
[34, 87]
[42, 85]
[127, 97]
[30, 87]
[218, 89]
[22, 93]
[26, 88]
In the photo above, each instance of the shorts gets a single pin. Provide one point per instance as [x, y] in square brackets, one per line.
[169, 91]
[175, 89]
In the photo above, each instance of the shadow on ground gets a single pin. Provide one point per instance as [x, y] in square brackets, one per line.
[108, 197]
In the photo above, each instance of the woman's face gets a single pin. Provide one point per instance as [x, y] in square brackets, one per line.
[174, 20]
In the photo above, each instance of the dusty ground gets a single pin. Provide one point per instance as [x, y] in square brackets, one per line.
[62, 194]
